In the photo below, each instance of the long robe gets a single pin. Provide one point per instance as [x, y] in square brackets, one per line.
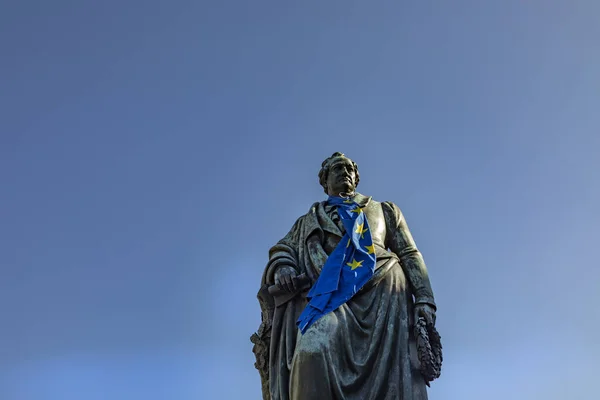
[365, 349]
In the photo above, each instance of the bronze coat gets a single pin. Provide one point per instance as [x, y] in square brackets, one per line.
[363, 350]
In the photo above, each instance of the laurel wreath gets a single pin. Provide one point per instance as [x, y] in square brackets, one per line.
[429, 350]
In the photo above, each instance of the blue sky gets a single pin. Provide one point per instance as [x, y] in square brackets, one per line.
[152, 152]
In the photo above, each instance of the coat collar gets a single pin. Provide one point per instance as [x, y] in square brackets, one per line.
[361, 200]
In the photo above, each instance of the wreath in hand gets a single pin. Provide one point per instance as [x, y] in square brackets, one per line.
[429, 350]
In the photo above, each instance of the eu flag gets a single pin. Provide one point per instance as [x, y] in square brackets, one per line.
[348, 267]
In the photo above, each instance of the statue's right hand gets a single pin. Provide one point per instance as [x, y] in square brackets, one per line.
[284, 278]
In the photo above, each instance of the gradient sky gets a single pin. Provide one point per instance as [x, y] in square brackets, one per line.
[151, 153]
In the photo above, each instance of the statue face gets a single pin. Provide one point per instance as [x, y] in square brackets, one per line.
[341, 177]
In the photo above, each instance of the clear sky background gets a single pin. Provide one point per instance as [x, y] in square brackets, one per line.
[151, 152]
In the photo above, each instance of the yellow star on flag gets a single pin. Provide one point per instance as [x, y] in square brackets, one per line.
[354, 264]
[348, 201]
[357, 210]
[370, 249]
[361, 229]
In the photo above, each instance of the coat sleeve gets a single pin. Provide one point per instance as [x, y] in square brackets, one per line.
[285, 252]
[400, 241]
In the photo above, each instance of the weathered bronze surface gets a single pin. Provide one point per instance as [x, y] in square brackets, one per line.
[382, 343]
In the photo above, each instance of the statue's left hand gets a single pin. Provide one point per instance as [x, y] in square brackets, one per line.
[426, 311]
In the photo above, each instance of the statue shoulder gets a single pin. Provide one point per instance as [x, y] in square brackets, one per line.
[313, 208]
[390, 205]
[311, 211]
[391, 211]
[375, 202]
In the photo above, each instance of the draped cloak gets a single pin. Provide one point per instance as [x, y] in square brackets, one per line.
[365, 349]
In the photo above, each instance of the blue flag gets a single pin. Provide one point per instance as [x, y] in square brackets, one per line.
[347, 268]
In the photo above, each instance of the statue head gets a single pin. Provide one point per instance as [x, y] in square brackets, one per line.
[338, 174]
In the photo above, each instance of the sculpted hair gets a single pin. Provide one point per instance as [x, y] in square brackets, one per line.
[324, 172]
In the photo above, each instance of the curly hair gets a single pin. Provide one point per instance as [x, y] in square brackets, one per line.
[325, 165]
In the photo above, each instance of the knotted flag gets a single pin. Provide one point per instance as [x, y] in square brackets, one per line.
[348, 267]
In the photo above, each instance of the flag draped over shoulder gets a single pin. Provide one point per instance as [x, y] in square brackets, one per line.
[348, 267]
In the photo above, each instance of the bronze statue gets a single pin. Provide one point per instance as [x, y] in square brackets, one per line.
[379, 344]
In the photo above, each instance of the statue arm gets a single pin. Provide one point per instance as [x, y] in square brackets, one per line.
[284, 253]
[272, 329]
[400, 241]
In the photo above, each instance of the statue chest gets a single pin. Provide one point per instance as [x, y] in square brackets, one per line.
[376, 221]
